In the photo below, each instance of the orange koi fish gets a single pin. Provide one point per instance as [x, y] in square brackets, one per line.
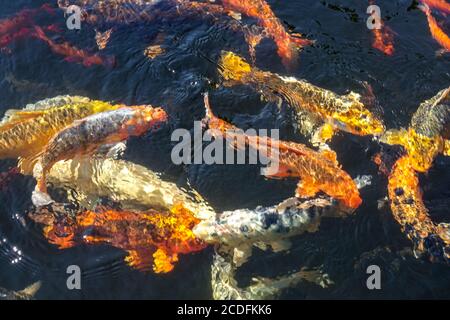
[20, 26]
[318, 171]
[440, 5]
[24, 133]
[383, 38]
[73, 54]
[22, 19]
[436, 32]
[409, 211]
[85, 136]
[287, 44]
[152, 238]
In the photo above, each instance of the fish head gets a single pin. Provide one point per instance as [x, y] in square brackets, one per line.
[355, 118]
[206, 230]
[147, 117]
[233, 67]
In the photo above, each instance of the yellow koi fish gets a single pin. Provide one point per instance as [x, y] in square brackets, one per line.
[24, 133]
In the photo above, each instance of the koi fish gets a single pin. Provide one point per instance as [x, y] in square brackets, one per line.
[133, 186]
[383, 38]
[102, 38]
[151, 238]
[25, 294]
[436, 32]
[22, 19]
[440, 5]
[287, 44]
[225, 287]
[74, 54]
[318, 171]
[426, 136]
[273, 225]
[85, 136]
[345, 113]
[409, 211]
[23, 133]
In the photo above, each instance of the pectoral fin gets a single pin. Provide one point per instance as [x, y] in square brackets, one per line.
[322, 134]
[306, 188]
[281, 245]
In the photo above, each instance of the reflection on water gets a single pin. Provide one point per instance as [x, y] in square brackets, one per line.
[341, 59]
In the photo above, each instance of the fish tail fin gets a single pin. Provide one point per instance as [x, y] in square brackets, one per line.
[425, 8]
[233, 67]
[32, 289]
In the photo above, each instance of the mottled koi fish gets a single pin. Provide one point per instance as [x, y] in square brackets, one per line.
[24, 133]
[345, 113]
[318, 171]
[152, 238]
[287, 44]
[428, 132]
[436, 32]
[85, 136]
[409, 211]
[441, 5]
[73, 54]
[245, 227]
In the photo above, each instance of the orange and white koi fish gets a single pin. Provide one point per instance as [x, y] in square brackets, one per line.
[441, 5]
[153, 239]
[318, 171]
[85, 136]
[437, 33]
[287, 44]
[24, 133]
[341, 112]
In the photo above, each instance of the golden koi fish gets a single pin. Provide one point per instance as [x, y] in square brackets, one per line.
[345, 113]
[24, 133]
[85, 136]
[427, 135]
[133, 186]
[409, 211]
[152, 238]
[318, 171]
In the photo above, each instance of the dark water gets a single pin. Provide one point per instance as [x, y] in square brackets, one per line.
[340, 60]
